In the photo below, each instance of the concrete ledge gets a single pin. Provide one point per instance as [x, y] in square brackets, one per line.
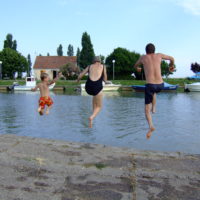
[41, 169]
[3, 87]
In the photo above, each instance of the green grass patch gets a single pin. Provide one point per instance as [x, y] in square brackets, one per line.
[174, 81]
[65, 146]
[29, 159]
[71, 85]
[99, 166]
[10, 82]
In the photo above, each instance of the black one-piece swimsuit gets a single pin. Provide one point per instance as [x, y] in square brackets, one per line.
[94, 87]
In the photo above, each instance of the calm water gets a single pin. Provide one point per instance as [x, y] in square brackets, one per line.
[121, 122]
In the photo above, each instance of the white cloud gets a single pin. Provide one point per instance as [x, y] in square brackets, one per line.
[191, 6]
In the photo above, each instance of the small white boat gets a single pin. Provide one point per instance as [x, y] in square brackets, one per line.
[194, 87]
[30, 83]
[106, 87]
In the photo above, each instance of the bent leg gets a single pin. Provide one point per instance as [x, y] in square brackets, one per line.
[49, 105]
[148, 108]
[97, 105]
[154, 104]
[48, 109]
[41, 110]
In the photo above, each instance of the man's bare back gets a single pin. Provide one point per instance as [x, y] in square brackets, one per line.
[152, 66]
[152, 69]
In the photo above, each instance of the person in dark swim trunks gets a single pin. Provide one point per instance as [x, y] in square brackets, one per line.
[94, 85]
[150, 90]
[152, 68]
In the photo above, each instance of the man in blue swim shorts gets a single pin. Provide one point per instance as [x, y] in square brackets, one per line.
[152, 69]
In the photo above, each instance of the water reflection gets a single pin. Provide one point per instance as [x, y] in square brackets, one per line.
[121, 122]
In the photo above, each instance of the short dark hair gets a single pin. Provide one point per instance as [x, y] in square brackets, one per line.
[150, 48]
[43, 76]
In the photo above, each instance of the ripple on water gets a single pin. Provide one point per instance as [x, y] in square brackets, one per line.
[120, 123]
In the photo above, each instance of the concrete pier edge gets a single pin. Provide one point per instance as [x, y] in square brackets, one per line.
[41, 169]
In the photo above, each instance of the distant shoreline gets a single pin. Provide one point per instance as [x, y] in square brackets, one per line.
[72, 85]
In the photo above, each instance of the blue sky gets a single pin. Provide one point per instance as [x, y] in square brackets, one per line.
[39, 26]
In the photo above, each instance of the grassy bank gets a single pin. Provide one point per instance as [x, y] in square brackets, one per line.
[174, 81]
[10, 82]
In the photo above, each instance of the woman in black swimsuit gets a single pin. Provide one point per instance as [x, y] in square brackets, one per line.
[94, 85]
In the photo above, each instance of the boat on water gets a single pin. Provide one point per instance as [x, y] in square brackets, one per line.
[195, 77]
[194, 87]
[167, 87]
[30, 83]
[106, 87]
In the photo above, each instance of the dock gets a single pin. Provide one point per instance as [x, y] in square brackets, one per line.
[43, 169]
[3, 87]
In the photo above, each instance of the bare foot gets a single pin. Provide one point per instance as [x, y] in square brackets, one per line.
[90, 122]
[41, 112]
[153, 110]
[39, 109]
[150, 132]
[47, 111]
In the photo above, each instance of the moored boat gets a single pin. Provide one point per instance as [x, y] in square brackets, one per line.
[106, 87]
[167, 87]
[194, 87]
[30, 83]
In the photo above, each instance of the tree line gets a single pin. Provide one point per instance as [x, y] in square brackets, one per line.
[124, 60]
[84, 56]
[12, 60]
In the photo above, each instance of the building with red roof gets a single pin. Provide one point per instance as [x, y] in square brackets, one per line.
[51, 64]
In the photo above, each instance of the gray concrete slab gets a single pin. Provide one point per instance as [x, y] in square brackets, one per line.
[40, 169]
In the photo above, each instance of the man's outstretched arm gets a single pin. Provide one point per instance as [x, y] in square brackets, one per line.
[170, 58]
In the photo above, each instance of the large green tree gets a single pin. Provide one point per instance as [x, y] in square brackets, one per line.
[9, 43]
[87, 52]
[13, 62]
[29, 65]
[102, 59]
[124, 62]
[70, 50]
[14, 46]
[60, 50]
[78, 56]
[70, 70]
[165, 69]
